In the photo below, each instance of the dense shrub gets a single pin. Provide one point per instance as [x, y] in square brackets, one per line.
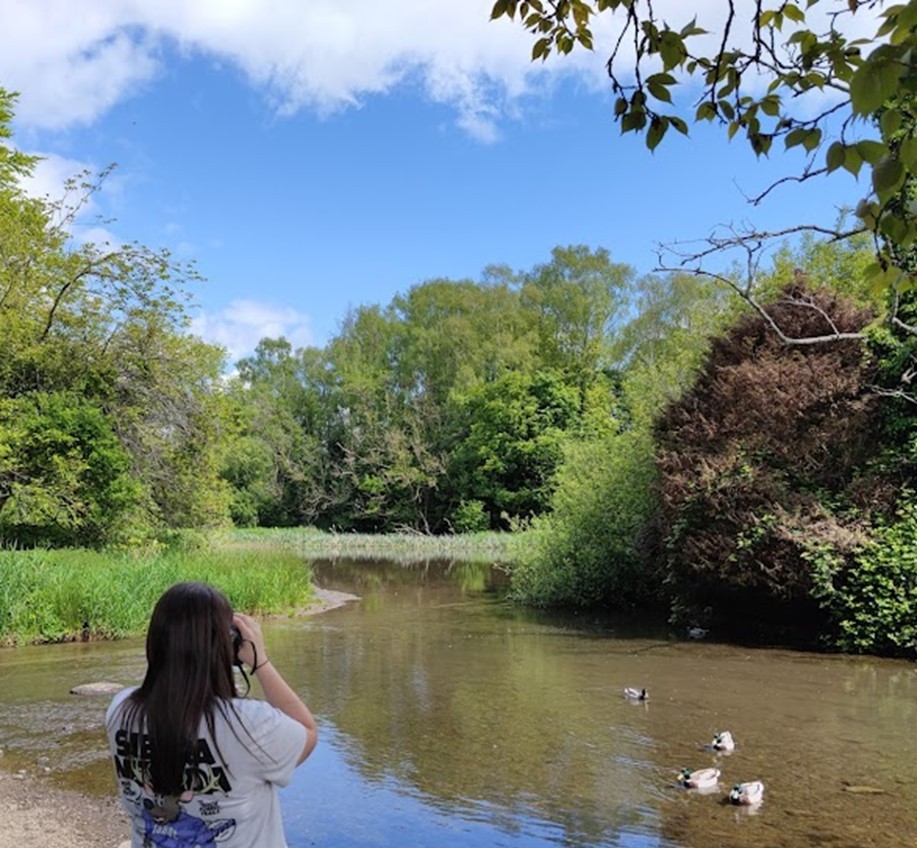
[764, 458]
[871, 596]
[586, 551]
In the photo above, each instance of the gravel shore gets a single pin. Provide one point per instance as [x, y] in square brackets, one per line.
[36, 815]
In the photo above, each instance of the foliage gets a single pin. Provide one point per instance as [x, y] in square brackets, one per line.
[455, 392]
[870, 595]
[470, 516]
[586, 551]
[110, 413]
[64, 476]
[510, 442]
[755, 455]
[784, 47]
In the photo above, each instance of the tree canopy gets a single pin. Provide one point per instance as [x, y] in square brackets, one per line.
[843, 98]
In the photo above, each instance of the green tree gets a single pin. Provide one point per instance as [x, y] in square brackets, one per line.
[65, 478]
[510, 442]
[107, 324]
[577, 296]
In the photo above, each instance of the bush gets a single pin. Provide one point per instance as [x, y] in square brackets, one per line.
[764, 455]
[586, 551]
[871, 597]
[470, 517]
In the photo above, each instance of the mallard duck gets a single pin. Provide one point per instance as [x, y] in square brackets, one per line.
[747, 794]
[699, 778]
[723, 742]
[635, 694]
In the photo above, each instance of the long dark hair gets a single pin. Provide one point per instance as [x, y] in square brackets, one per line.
[189, 676]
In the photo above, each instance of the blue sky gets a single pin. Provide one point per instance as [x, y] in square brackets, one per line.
[315, 156]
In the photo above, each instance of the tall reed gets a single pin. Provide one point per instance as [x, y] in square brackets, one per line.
[61, 595]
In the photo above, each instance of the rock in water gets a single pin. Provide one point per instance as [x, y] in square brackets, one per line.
[103, 687]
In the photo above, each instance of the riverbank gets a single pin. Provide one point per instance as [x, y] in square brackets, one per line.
[36, 814]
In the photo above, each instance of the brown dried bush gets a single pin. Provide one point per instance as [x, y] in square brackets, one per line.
[754, 460]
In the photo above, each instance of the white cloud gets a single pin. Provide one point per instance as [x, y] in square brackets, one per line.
[241, 325]
[73, 60]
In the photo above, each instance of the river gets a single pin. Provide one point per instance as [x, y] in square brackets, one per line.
[451, 718]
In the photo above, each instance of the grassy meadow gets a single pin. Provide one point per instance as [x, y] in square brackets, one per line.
[69, 594]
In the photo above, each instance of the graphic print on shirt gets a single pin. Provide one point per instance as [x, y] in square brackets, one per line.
[166, 824]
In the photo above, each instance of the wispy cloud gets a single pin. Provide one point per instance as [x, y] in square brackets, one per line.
[241, 325]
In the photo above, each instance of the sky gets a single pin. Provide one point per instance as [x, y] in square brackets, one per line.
[312, 156]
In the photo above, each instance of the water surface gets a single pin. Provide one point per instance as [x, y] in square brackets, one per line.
[451, 718]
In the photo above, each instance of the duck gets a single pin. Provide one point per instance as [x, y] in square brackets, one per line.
[723, 742]
[697, 632]
[635, 694]
[747, 794]
[699, 778]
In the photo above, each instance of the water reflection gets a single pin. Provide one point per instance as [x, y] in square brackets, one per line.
[454, 719]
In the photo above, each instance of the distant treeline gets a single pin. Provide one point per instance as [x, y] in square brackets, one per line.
[668, 443]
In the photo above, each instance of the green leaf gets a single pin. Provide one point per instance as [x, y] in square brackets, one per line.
[852, 160]
[907, 153]
[794, 13]
[541, 49]
[888, 176]
[633, 121]
[795, 137]
[835, 156]
[871, 151]
[660, 92]
[705, 112]
[679, 125]
[770, 105]
[890, 122]
[499, 10]
[812, 140]
[657, 130]
[873, 84]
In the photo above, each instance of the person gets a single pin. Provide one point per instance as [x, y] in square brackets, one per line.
[196, 764]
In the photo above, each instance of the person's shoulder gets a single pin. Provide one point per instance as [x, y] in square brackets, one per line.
[117, 701]
[260, 718]
[254, 710]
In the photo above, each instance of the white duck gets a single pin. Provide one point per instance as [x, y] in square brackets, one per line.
[635, 694]
[699, 778]
[747, 794]
[723, 742]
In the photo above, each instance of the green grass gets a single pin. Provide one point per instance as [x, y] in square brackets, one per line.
[399, 547]
[46, 596]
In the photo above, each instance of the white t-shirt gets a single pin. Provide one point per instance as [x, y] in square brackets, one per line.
[235, 802]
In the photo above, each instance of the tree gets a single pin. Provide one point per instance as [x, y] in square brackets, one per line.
[105, 324]
[799, 49]
[577, 297]
[511, 441]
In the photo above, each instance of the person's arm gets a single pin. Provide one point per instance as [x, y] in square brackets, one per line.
[277, 692]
